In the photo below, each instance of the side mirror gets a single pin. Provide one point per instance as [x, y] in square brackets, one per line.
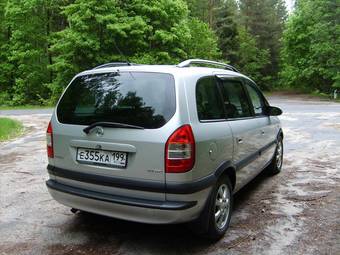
[273, 111]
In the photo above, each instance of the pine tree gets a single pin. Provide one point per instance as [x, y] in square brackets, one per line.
[205, 10]
[227, 31]
[264, 19]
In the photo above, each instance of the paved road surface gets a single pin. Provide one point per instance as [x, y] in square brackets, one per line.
[296, 212]
[25, 112]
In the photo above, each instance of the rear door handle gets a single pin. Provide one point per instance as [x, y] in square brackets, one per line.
[262, 132]
[239, 140]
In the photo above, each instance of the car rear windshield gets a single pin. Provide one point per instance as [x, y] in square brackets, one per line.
[134, 98]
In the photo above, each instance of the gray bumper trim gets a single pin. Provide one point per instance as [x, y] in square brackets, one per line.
[159, 187]
[161, 205]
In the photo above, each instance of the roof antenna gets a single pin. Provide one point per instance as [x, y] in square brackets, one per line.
[121, 53]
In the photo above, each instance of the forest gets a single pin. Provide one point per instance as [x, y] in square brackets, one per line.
[44, 43]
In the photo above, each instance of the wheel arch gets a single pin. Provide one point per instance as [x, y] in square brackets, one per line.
[280, 134]
[228, 169]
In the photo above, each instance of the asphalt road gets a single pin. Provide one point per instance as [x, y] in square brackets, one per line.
[295, 212]
[25, 112]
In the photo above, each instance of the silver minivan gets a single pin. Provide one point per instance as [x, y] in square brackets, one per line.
[161, 144]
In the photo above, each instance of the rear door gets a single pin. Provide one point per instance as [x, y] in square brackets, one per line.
[145, 100]
[267, 129]
[245, 130]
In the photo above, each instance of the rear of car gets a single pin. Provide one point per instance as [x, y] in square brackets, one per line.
[114, 139]
[161, 144]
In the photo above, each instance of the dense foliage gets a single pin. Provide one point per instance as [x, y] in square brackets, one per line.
[311, 46]
[44, 43]
[249, 33]
[264, 19]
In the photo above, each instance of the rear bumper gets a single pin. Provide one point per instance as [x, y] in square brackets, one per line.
[139, 210]
[160, 187]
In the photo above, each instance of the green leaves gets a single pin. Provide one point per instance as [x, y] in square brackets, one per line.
[251, 58]
[202, 42]
[311, 46]
[145, 31]
[43, 44]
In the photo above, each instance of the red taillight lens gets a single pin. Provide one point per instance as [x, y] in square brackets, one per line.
[180, 151]
[49, 140]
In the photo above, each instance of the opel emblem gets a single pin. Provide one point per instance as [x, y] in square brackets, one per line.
[100, 131]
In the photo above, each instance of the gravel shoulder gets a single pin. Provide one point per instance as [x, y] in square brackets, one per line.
[295, 212]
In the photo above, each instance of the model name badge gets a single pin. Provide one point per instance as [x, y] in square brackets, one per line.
[155, 171]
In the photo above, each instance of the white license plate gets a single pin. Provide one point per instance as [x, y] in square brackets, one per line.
[101, 157]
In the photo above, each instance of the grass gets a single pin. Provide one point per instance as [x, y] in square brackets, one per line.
[24, 107]
[9, 128]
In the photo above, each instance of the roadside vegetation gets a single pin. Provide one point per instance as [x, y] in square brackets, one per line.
[9, 128]
[43, 44]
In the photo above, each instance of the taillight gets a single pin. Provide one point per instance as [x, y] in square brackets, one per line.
[49, 140]
[180, 151]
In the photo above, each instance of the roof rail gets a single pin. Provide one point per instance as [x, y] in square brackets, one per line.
[114, 64]
[189, 62]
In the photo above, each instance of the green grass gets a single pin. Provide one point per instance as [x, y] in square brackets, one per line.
[9, 128]
[24, 107]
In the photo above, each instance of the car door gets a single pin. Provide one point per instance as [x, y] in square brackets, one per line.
[245, 128]
[266, 131]
[213, 136]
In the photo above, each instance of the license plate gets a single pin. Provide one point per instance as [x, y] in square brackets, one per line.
[102, 157]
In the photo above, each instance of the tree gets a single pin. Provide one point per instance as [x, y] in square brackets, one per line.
[24, 58]
[203, 41]
[145, 31]
[311, 46]
[44, 43]
[252, 59]
[26, 50]
[264, 19]
[205, 10]
[227, 31]
[149, 31]
[5, 68]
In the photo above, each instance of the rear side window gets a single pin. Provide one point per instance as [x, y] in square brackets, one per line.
[255, 98]
[208, 100]
[134, 98]
[235, 99]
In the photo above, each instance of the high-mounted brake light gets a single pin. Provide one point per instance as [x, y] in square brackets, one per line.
[180, 151]
[49, 140]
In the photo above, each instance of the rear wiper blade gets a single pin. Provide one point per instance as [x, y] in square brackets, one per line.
[88, 129]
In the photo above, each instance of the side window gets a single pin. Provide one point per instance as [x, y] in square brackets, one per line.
[256, 99]
[208, 100]
[235, 99]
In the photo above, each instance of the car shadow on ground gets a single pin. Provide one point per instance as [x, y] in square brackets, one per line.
[105, 235]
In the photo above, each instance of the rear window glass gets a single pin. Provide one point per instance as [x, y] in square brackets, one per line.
[134, 98]
[208, 100]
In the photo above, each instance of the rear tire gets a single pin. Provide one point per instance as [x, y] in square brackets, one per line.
[276, 165]
[215, 218]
